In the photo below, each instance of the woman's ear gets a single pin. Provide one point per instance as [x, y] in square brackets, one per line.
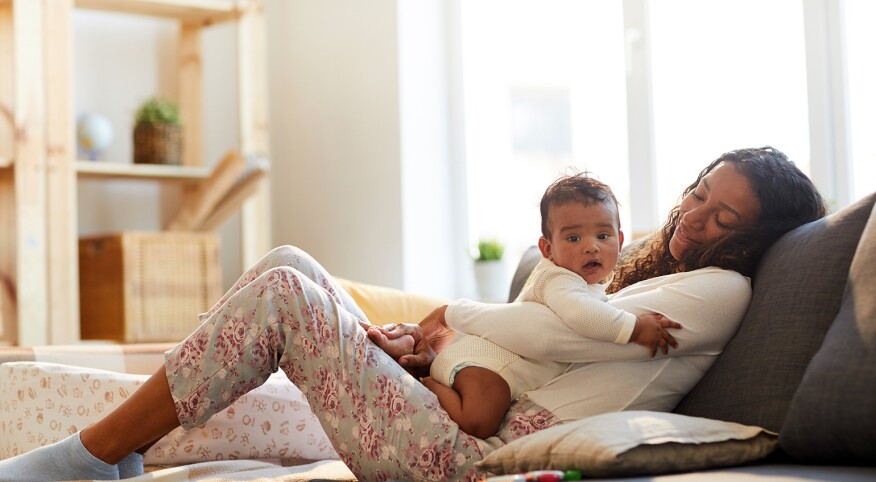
[544, 245]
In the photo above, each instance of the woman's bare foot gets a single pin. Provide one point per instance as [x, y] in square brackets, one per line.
[403, 345]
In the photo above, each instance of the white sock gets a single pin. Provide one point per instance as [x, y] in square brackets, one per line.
[64, 460]
[131, 466]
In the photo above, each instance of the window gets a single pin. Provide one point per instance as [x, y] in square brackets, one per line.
[544, 88]
[544, 91]
[726, 75]
[860, 39]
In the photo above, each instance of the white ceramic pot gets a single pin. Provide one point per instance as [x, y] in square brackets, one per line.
[492, 280]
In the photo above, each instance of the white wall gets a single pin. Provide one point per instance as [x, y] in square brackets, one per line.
[359, 115]
[335, 138]
[434, 212]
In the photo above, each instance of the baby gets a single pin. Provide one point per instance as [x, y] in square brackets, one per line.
[475, 380]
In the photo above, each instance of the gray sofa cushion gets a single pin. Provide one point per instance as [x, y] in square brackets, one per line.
[530, 258]
[832, 417]
[797, 291]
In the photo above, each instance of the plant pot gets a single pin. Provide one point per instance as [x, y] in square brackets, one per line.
[157, 144]
[491, 278]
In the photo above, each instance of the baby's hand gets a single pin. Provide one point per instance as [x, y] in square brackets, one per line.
[650, 332]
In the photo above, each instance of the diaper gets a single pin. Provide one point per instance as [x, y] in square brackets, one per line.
[473, 351]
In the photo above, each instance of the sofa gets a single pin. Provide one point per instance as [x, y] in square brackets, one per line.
[802, 364]
[792, 396]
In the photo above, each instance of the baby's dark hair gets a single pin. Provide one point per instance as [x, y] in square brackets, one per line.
[575, 188]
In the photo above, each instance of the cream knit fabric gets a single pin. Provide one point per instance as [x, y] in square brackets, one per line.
[581, 306]
[607, 377]
[584, 308]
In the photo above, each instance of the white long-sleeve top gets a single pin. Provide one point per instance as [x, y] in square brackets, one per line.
[606, 377]
[580, 305]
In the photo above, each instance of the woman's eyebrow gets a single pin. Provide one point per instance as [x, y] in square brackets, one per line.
[731, 210]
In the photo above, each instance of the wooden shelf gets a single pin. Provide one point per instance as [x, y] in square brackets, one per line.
[117, 170]
[199, 12]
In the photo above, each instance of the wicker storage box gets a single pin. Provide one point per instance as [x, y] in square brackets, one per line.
[146, 287]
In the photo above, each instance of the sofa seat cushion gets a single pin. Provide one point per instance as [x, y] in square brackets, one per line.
[832, 417]
[631, 443]
[797, 292]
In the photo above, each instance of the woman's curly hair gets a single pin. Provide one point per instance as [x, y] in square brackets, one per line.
[787, 198]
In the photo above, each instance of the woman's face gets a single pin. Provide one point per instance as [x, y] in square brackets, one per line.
[723, 201]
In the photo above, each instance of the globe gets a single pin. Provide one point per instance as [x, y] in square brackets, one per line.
[94, 134]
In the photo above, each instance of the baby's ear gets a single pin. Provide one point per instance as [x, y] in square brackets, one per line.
[620, 240]
[544, 245]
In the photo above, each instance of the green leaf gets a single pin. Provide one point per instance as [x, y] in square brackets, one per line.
[158, 111]
[490, 250]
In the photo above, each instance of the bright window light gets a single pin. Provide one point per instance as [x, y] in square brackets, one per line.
[544, 94]
[726, 75]
[860, 39]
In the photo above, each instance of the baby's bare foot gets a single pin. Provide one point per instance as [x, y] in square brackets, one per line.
[403, 345]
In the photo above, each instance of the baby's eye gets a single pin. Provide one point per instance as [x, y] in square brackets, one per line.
[602, 236]
[574, 239]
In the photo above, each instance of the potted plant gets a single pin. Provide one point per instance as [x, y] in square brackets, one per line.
[490, 273]
[157, 133]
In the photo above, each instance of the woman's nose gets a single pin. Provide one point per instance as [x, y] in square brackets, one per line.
[693, 219]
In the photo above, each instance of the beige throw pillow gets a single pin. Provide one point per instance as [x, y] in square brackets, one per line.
[633, 443]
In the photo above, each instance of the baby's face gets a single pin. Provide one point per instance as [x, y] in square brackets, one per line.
[584, 239]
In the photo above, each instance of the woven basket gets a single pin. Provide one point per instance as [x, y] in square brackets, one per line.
[157, 144]
[146, 287]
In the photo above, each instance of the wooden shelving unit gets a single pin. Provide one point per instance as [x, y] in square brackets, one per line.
[39, 279]
[202, 12]
[154, 172]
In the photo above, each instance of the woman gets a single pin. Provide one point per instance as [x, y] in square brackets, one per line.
[693, 272]
[287, 313]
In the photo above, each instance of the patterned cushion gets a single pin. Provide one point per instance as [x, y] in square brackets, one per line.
[797, 291]
[41, 403]
[833, 414]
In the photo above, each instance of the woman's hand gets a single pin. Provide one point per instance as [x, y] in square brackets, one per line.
[430, 337]
[435, 328]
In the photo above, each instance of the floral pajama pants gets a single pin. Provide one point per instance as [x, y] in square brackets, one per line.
[287, 313]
